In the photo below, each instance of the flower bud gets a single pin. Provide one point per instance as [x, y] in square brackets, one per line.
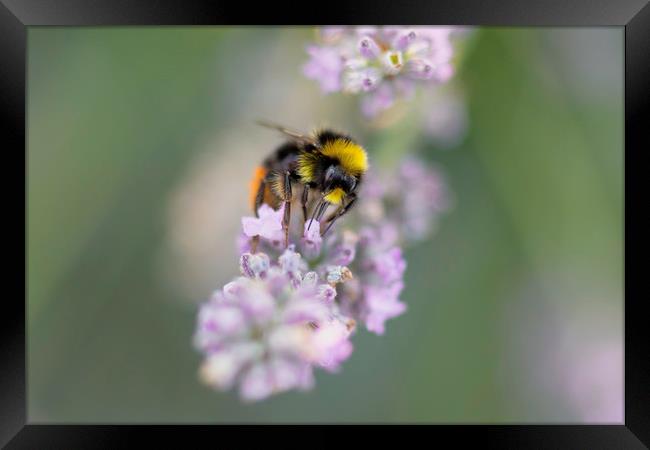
[420, 69]
[254, 265]
[369, 48]
[404, 39]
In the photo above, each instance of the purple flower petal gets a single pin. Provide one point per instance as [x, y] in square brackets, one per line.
[268, 225]
[324, 66]
[420, 69]
[382, 304]
[369, 48]
[378, 101]
[256, 384]
[311, 240]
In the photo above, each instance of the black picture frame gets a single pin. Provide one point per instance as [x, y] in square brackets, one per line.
[17, 15]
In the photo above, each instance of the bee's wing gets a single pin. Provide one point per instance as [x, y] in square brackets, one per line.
[295, 135]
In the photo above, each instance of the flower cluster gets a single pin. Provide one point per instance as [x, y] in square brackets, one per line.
[372, 297]
[268, 328]
[381, 63]
[295, 309]
[408, 201]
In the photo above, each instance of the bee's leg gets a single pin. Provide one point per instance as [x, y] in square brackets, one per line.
[304, 200]
[339, 212]
[287, 208]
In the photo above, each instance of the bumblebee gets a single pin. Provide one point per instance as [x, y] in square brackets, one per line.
[327, 166]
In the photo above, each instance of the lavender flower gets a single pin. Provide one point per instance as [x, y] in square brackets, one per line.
[311, 241]
[380, 63]
[296, 309]
[266, 330]
[324, 66]
[267, 225]
[411, 199]
[373, 296]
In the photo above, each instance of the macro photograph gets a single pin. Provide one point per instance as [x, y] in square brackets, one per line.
[325, 224]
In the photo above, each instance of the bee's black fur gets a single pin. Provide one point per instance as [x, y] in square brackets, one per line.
[324, 136]
[287, 152]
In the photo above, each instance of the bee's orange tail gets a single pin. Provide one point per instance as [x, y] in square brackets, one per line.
[254, 185]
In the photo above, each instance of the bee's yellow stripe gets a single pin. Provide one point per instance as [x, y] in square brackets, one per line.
[306, 163]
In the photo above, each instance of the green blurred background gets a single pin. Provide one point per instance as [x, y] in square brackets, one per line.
[140, 145]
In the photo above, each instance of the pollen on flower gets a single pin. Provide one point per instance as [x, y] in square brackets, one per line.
[337, 274]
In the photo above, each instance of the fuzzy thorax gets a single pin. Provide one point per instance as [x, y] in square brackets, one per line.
[352, 156]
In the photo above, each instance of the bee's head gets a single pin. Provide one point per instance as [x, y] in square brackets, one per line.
[349, 163]
[337, 184]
